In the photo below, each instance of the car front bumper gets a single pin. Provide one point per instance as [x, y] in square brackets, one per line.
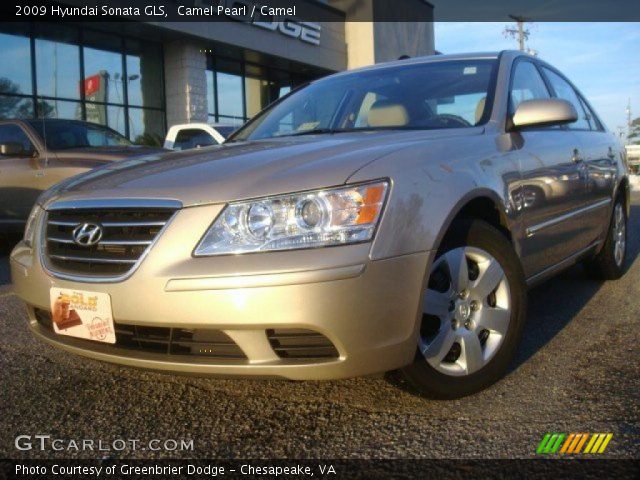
[367, 309]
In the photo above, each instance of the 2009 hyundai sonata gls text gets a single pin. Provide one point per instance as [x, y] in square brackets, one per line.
[385, 218]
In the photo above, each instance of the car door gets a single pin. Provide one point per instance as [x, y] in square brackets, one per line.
[21, 175]
[599, 151]
[552, 184]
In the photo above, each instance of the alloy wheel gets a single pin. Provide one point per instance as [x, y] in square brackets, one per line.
[619, 234]
[466, 311]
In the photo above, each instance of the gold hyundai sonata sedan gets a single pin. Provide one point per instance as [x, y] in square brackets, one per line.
[386, 218]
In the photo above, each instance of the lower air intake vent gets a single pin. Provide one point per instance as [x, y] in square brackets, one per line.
[300, 344]
[199, 342]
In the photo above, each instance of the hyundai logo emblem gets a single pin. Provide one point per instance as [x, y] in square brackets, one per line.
[87, 234]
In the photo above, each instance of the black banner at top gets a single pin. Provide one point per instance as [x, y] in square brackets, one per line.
[321, 11]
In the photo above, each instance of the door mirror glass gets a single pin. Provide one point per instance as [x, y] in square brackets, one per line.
[543, 113]
[11, 149]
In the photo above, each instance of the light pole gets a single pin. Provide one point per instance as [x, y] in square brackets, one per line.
[519, 32]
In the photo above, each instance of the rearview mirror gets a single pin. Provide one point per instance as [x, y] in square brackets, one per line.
[11, 149]
[544, 112]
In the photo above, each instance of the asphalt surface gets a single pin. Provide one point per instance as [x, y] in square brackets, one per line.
[577, 371]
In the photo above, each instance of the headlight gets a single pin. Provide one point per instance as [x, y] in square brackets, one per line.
[30, 227]
[319, 218]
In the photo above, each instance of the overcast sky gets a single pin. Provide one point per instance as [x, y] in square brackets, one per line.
[601, 59]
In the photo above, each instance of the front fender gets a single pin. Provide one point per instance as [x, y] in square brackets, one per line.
[426, 193]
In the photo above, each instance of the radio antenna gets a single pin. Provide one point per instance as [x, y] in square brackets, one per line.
[44, 131]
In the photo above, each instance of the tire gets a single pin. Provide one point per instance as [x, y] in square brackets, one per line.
[609, 263]
[494, 322]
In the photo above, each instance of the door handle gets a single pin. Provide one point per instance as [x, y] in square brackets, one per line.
[40, 174]
[576, 157]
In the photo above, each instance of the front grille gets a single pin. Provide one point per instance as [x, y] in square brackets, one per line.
[197, 342]
[127, 234]
[300, 344]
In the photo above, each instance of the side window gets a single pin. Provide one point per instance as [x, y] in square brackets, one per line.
[566, 92]
[15, 134]
[527, 84]
[591, 117]
[95, 138]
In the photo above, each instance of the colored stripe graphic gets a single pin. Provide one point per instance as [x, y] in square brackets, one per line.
[594, 437]
[605, 442]
[550, 443]
[567, 442]
[543, 443]
[557, 443]
[573, 443]
[578, 448]
[598, 443]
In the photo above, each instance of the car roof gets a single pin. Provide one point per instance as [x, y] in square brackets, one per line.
[58, 120]
[436, 58]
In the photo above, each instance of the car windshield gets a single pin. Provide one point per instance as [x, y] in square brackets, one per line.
[65, 135]
[433, 95]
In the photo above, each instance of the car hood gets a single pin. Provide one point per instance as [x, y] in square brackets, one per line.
[105, 154]
[241, 170]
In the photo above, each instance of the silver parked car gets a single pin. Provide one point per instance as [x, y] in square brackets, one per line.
[386, 218]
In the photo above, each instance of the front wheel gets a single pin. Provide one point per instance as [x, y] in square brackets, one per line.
[473, 313]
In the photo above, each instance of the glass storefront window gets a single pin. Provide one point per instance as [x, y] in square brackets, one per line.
[230, 101]
[50, 108]
[103, 61]
[211, 93]
[146, 127]
[107, 67]
[134, 81]
[144, 74]
[115, 119]
[15, 57]
[237, 91]
[109, 98]
[15, 107]
[232, 121]
[58, 69]
[110, 115]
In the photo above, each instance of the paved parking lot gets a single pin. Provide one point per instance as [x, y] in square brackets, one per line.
[577, 371]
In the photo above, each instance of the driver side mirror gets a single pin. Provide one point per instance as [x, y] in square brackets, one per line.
[543, 113]
[12, 149]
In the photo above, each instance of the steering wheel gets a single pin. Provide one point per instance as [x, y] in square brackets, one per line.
[448, 118]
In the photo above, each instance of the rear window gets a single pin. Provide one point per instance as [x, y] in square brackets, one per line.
[193, 138]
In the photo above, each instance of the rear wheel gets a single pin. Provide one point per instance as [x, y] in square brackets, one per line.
[609, 263]
[473, 313]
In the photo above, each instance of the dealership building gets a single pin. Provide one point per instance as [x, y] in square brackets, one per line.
[139, 78]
